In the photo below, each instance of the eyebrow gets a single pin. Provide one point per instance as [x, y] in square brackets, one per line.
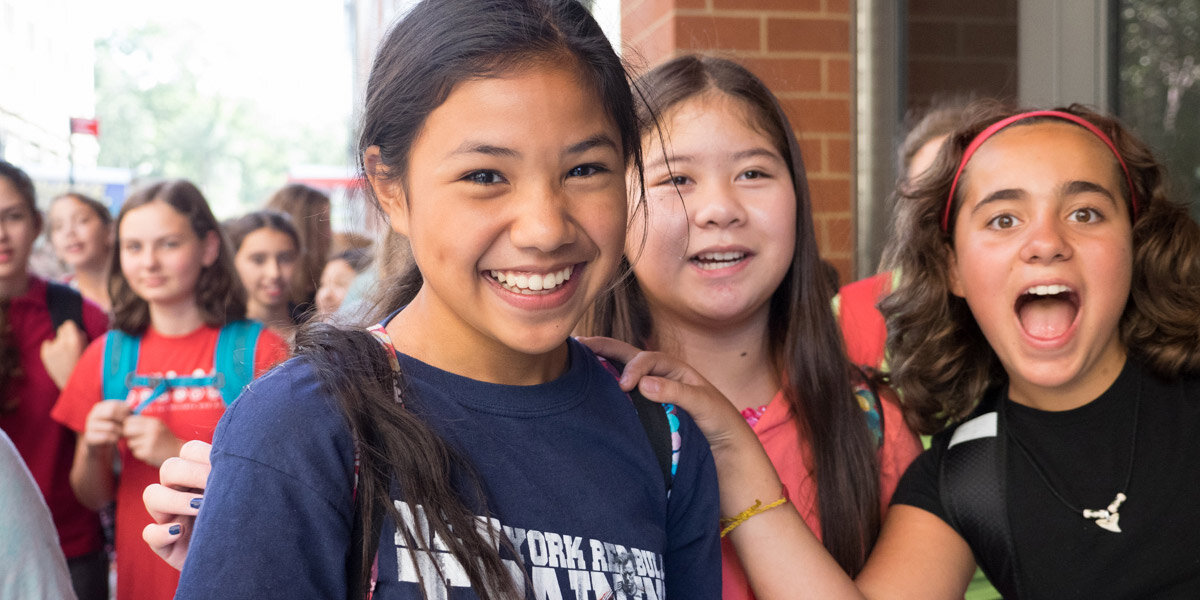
[1087, 187]
[740, 155]
[755, 153]
[598, 140]
[1071, 188]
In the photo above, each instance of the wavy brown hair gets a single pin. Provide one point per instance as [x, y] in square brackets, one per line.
[10, 357]
[939, 356]
[219, 294]
[804, 339]
[309, 209]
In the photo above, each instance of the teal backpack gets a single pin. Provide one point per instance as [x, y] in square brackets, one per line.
[233, 362]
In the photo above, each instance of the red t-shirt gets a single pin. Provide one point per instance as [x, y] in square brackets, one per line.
[190, 414]
[863, 326]
[46, 446]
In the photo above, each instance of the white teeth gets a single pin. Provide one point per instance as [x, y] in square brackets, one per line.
[721, 256]
[1047, 290]
[711, 261]
[525, 283]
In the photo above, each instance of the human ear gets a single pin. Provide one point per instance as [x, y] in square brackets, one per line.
[388, 190]
[955, 282]
[211, 250]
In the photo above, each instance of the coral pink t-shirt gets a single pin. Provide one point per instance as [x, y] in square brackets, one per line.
[190, 414]
[778, 433]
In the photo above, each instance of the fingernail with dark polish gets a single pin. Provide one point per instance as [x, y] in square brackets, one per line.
[175, 529]
[195, 502]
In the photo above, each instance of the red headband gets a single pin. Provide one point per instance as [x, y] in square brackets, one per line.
[997, 126]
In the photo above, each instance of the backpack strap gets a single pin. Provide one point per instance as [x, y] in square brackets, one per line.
[233, 358]
[867, 394]
[972, 478]
[65, 304]
[661, 424]
[120, 360]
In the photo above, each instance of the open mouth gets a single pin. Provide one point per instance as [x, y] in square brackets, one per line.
[711, 261]
[1047, 311]
[521, 282]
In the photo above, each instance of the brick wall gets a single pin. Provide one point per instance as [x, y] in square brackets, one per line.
[803, 50]
[957, 47]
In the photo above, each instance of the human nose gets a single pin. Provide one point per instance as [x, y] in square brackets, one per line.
[543, 221]
[716, 206]
[1045, 241]
[272, 268]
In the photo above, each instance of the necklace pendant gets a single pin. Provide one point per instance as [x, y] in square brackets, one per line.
[1107, 518]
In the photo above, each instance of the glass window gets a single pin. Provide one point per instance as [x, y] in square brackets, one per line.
[1158, 62]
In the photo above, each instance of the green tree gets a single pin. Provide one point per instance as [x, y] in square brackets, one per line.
[1159, 65]
[163, 118]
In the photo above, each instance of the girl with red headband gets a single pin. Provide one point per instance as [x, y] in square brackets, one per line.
[1047, 328]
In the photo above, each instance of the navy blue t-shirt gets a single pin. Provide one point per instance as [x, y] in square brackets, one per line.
[566, 466]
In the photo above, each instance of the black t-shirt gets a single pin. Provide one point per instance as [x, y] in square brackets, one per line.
[1084, 454]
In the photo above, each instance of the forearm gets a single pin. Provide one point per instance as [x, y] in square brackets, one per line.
[780, 555]
[92, 477]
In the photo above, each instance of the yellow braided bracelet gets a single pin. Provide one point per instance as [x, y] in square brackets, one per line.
[728, 524]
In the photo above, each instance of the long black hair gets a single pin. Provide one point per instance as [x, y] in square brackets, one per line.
[803, 336]
[439, 44]
[10, 353]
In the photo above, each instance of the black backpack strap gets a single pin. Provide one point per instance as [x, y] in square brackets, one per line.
[65, 304]
[653, 417]
[654, 420]
[972, 483]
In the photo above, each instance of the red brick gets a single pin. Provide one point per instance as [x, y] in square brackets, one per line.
[991, 40]
[837, 7]
[638, 15]
[829, 194]
[839, 231]
[818, 115]
[838, 156]
[698, 4]
[718, 33]
[812, 153]
[844, 266]
[808, 35]
[784, 75]
[791, 5]
[838, 74]
[653, 47]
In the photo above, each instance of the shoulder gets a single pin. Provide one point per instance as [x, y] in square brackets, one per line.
[269, 351]
[287, 421]
[83, 387]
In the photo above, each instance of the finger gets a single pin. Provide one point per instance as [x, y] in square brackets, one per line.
[183, 474]
[660, 365]
[196, 451]
[163, 539]
[113, 410]
[134, 425]
[165, 504]
[610, 348]
[103, 428]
